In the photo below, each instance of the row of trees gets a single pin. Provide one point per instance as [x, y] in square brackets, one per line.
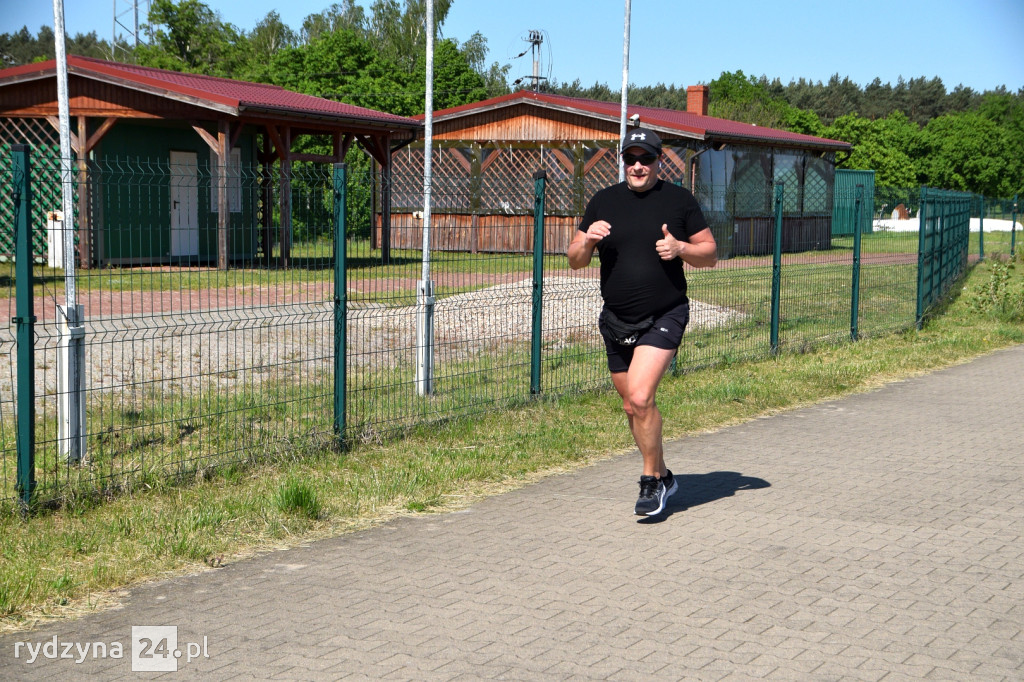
[21, 47]
[921, 99]
[915, 132]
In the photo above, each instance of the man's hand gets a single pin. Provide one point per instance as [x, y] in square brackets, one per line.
[581, 249]
[598, 230]
[668, 247]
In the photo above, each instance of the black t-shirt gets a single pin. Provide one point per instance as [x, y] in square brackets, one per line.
[635, 282]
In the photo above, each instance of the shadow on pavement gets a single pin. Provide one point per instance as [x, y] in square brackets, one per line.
[698, 489]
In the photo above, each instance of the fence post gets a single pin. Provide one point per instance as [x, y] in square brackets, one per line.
[943, 225]
[855, 286]
[539, 184]
[922, 222]
[1013, 226]
[981, 227]
[340, 301]
[24, 323]
[777, 267]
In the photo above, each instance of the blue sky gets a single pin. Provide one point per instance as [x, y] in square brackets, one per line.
[977, 43]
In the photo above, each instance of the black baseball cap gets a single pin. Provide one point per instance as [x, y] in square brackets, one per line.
[643, 138]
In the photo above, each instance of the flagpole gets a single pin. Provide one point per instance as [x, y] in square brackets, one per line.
[625, 89]
[425, 288]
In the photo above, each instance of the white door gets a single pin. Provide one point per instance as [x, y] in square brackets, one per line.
[184, 204]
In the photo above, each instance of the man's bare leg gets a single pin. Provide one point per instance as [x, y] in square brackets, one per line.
[638, 388]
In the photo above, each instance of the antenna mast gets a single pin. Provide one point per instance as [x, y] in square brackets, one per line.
[126, 18]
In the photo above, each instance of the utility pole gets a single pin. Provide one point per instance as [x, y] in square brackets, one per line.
[535, 40]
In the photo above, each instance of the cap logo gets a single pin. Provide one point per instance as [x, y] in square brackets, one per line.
[640, 136]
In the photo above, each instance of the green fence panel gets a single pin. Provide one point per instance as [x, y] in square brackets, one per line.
[844, 214]
[944, 235]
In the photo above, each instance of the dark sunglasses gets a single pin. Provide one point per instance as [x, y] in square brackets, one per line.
[645, 159]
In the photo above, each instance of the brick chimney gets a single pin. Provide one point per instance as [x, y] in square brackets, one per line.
[697, 99]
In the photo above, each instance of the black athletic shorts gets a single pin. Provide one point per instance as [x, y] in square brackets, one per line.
[666, 332]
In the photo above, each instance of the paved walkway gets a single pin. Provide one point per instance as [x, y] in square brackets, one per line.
[874, 537]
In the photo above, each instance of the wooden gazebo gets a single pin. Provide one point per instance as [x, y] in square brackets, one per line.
[105, 97]
[493, 146]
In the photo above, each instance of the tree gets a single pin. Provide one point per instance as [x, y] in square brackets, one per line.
[257, 48]
[89, 45]
[803, 121]
[841, 97]
[966, 152]
[878, 101]
[399, 35]
[343, 15]
[343, 66]
[962, 99]
[270, 36]
[496, 75]
[597, 91]
[455, 81]
[660, 96]
[887, 146]
[920, 99]
[189, 36]
[24, 48]
[738, 97]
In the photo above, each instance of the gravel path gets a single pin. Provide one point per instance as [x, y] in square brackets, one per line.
[239, 347]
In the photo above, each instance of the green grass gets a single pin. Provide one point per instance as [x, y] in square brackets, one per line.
[65, 561]
[880, 242]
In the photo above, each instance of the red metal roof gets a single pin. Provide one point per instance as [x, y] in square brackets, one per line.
[223, 94]
[667, 121]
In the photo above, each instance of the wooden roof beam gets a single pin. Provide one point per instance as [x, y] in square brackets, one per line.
[209, 138]
[279, 151]
[342, 143]
[212, 140]
[95, 138]
[55, 123]
[378, 147]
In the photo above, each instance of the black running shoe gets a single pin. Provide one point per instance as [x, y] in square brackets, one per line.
[654, 492]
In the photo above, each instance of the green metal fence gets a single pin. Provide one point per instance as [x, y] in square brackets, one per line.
[943, 238]
[306, 341]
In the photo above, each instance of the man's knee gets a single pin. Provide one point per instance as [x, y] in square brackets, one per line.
[640, 401]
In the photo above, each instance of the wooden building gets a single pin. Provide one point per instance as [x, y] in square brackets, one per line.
[164, 159]
[485, 153]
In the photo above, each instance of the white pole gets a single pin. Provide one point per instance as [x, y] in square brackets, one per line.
[71, 354]
[66, 177]
[625, 88]
[425, 289]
